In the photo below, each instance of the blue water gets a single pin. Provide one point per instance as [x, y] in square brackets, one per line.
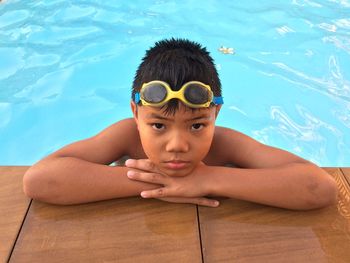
[66, 69]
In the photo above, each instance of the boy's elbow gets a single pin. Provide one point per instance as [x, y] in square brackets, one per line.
[330, 193]
[29, 183]
[324, 194]
[37, 186]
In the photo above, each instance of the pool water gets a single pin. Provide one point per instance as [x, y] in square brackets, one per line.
[66, 69]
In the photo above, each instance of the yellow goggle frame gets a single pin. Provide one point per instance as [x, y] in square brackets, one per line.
[180, 94]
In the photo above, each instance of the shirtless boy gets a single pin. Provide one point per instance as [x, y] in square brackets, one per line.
[175, 151]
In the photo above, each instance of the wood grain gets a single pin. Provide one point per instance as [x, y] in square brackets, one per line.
[13, 207]
[133, 229]
[240, 231]
[123, 230]
[346, 172]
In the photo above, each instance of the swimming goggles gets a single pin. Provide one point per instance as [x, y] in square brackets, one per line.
[194, 94]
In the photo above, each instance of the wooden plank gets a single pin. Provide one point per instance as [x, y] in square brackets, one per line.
[13, 207]
[121, 230]
[346, 172]
[239, 231]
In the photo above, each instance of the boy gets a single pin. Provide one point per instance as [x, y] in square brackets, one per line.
[177, 153]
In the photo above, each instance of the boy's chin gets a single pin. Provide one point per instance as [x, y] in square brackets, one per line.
[177, 172]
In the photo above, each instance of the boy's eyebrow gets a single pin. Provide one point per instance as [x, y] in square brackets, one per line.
[203, 116]
[157, 116]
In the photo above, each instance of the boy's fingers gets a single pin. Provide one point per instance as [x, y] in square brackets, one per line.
[192, 200]
[157, 193]
[163, 194]
[141, 164]
[146, 177]
[207, 202]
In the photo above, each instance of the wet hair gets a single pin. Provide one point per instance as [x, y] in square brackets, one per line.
[177, 61]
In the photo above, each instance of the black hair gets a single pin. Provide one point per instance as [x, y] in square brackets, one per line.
[177, 61]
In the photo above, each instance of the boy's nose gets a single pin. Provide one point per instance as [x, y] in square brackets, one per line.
[177, 143]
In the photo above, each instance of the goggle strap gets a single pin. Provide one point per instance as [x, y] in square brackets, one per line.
[137, 97]
[218, 100]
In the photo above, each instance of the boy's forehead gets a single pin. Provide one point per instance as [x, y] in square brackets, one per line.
[182, 112]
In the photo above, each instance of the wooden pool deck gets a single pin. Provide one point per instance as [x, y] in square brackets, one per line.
[137, 230]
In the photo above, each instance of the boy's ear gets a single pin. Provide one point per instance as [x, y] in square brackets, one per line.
[134, 109]
[217, 110]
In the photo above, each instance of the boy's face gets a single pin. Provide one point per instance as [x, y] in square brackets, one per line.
[177, 143]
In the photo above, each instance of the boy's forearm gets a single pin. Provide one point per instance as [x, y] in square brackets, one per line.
[295, 186]
[68, 180]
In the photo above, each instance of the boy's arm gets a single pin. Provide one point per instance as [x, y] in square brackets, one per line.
[70, 180]
[80, 173]
[270, 175]
[299, 186]
[266, 175]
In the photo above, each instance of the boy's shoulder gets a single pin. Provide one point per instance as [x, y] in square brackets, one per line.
[119, 140]
[126, 133]
[114, 142]
[230, 137]
[230, 146]
[125, 130]
[236, 148]
[125, 123]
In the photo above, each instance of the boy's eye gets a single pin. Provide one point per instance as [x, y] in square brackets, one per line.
[158, 126]
[197, 126]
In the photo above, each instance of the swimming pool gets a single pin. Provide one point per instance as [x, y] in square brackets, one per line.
[66, 69]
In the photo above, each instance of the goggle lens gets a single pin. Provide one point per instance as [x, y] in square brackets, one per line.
[196, 94]
[154, 93]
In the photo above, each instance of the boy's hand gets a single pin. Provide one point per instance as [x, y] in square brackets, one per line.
[188, 189]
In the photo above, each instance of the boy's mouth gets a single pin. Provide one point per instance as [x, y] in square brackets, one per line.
[177, 164]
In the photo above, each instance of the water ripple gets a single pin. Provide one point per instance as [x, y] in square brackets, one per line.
[287, 84]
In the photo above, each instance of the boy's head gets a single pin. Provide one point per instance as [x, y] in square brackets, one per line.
[177, 135]
[176, 62]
